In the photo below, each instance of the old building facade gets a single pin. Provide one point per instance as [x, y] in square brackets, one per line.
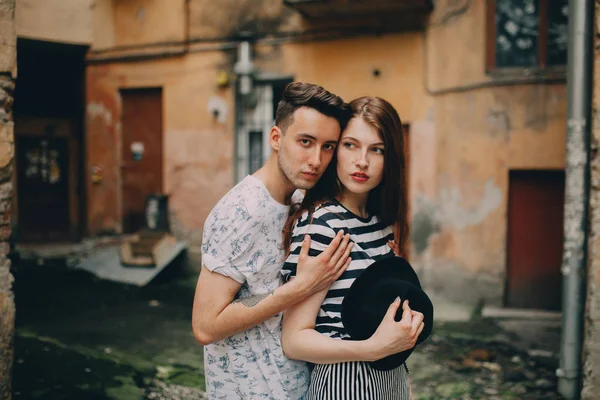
[486, 124]
[117, 100]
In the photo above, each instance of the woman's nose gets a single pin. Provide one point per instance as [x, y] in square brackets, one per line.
[362, 162]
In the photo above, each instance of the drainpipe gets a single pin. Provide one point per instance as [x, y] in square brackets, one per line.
[579, 85]
[244, 67]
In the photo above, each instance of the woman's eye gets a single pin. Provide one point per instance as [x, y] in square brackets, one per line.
[349, 145]
[378, 150]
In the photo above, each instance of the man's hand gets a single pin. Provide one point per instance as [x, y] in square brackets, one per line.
[394, 337]
[317, 273]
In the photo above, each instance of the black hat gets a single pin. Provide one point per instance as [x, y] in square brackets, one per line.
[370, 296]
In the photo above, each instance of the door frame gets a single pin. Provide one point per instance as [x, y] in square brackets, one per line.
[506, 295]
[121, 150]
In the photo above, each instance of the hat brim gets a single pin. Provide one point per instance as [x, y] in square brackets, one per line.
[370, 296]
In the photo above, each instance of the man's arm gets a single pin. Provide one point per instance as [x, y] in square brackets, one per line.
[216, 316]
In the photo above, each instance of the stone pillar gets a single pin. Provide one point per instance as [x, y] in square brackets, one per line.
[591, 343]
[8, 71]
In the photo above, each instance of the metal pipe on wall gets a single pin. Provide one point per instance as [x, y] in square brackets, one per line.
[577, 187]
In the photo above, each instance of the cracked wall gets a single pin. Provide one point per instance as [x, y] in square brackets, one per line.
[463, 142]
[591, 343]
[7, 85]
[481, 131]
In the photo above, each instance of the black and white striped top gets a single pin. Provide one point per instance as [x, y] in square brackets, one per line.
[370, 239]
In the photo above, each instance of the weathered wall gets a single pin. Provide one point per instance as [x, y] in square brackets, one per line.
[198, 149]
[143, 22]
[466, 131]
[68, 21]
[459, 205]
[7, 84]
[198, 161]
[226, 18]
[591, 344]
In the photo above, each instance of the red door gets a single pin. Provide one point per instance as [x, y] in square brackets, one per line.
[535, 239]
[142, 152]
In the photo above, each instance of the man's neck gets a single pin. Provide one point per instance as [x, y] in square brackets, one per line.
[279, 187]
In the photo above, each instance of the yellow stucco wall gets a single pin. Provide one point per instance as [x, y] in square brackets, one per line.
[198, 149]
[481, 132]
[466, 132]
[67, 21]
[198, 160]
[347, 67]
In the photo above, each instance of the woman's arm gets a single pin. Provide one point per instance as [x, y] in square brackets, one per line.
[302, 342]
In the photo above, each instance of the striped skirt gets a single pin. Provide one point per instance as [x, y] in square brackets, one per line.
[357, 381]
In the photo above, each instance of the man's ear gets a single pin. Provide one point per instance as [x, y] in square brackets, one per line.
[275, 136]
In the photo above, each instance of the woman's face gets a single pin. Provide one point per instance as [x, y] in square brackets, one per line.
[360, 157]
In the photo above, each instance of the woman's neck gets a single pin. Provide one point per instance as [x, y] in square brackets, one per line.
[355, 202]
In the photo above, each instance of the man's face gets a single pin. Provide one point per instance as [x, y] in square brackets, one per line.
[306, 148]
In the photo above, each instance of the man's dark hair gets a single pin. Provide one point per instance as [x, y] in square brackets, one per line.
[302, 94]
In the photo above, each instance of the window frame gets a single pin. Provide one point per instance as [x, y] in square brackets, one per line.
[541, 68]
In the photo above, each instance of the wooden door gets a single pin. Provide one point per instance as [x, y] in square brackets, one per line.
[535, 239]
[142, 152]
[43, 187]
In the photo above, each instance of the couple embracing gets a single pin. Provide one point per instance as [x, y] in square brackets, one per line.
[282, 300]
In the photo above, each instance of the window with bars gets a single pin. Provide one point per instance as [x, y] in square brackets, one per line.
[530, 34]
[254, 125]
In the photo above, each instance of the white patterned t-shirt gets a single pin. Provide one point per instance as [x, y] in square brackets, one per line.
[242, 240]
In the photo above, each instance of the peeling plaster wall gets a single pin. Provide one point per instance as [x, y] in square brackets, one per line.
[226, 18]
[591, 344]
[459, 215]
[463, 141]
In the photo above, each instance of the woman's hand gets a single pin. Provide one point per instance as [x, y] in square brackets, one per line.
[395, 248]
[393, 337]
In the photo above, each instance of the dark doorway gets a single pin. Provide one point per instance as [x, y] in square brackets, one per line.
[142, 152]
[48, 114]
[43, 177]
[535, 239]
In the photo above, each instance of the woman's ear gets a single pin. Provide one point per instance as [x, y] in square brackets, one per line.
[275, 136]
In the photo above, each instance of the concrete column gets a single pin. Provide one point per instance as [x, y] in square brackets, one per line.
[7, 84]
[591, 343]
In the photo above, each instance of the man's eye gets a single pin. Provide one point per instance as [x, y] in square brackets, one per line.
[329, 147]
[304, 142]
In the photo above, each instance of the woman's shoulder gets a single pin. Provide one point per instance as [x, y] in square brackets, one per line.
[317, 219]
[322, 213]
[330, 209]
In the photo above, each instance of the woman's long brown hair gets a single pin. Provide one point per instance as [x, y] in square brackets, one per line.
[389, 199]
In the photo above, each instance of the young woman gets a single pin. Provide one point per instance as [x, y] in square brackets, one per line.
[362, 193]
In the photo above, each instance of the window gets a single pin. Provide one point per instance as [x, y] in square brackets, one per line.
[254, 125]
[527, 33]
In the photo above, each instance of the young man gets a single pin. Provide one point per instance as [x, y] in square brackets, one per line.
[239, 300]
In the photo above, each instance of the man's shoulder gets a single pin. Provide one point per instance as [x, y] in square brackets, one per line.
[241, 203]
